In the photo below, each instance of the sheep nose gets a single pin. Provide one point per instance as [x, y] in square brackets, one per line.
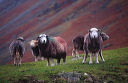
[44, 41]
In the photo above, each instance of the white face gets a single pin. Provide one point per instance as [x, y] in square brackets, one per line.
[43, 38]
[93, 33]
[33, 43]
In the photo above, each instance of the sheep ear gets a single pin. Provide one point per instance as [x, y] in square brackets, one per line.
[99, 30]
[47, 36]
[37, 37]
[89, 30]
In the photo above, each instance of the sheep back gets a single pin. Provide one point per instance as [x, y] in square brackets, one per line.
[17, 45]
[55, 48]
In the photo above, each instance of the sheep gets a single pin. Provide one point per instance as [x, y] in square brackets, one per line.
[78, 43]
[92, 44]
[52, 48]
[17, 50]
[104, 36]
[35, 50]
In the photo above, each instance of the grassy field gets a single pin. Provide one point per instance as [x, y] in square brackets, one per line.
[113, 70]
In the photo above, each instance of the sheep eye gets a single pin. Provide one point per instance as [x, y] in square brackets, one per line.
[90, 31]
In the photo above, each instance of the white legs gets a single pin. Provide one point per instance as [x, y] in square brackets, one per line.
[83, 60]
[97, 58]
[50, 60]
[85, 57]
[75, 53]
[17, 61]
[101, 56]
[14, 61]
[20, 61]
[38, 58]
[90, 62]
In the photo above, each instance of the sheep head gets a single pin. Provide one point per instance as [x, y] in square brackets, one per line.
[33, 43]
[94, 33]
[42, 38]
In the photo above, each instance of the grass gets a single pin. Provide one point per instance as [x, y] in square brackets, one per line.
[113, 70]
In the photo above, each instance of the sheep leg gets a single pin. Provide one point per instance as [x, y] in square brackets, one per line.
[96, 58]
[90, 62]
[85, 57]
[73, 53]
[64, 60]
[58, 61]
[77, 54]
[48, 64]
[14, 61]
[42, 58]
[101, 56]
[52, 61]
[17, 61]
[20, 61]
[36, 58]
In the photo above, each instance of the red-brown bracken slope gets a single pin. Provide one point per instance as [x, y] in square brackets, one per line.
[64, 18]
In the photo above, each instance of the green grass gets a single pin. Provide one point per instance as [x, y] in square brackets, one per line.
[114, 69]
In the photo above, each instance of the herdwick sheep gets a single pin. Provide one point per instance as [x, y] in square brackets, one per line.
[52, 48]
[78, 43]
[17, 50]
[35, 50]
[92, 44]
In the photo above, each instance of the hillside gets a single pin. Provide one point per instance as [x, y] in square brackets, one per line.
[113, 70]
[64, 18]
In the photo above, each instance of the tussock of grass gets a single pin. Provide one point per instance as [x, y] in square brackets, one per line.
[114, 69]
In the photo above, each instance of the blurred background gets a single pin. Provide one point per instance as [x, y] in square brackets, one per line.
[64, 18]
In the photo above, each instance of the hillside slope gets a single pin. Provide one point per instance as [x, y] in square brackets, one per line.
[113, 70]
[64, 18]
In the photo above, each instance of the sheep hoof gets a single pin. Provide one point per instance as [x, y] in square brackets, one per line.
[83, 62]
[48, 64]
[52, 64]
[90, 62]
[97, 62]
[64, 63]
[42, 58]
[103, 60]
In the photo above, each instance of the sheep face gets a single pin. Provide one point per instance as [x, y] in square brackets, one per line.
[42, 38]
[33, 43]
[94, 33]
